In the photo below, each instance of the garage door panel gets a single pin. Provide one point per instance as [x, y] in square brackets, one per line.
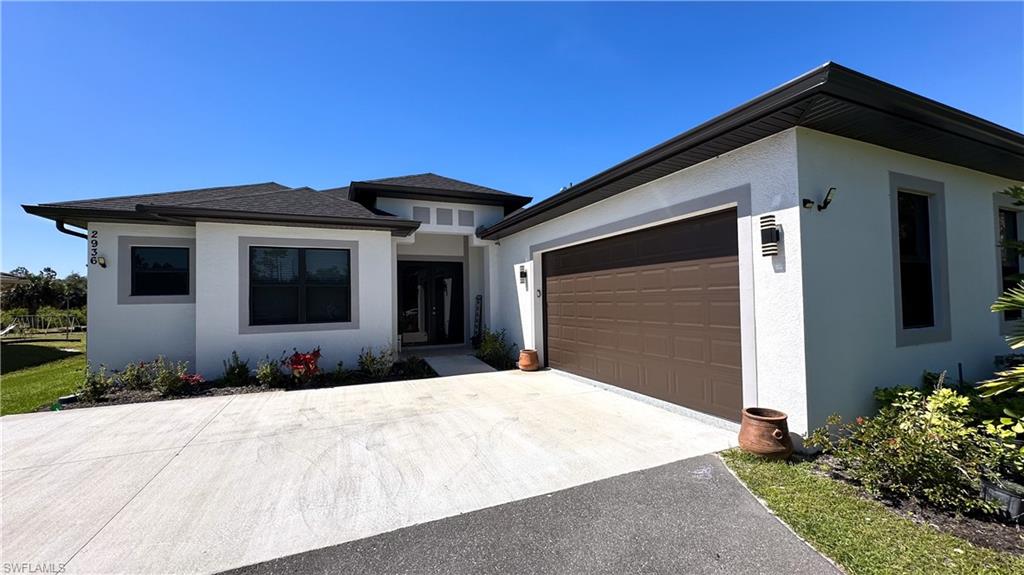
[656, 312]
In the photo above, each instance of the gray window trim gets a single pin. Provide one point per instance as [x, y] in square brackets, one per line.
[936, 193]
[124, 269]
[1003, 202]
[244, 243]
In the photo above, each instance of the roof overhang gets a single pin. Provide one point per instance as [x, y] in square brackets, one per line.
[80, 217]
[831, 99]
[366, 192]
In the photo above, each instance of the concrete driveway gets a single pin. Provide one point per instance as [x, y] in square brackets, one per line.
[208, 484]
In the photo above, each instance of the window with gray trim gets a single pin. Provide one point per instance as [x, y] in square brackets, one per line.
[159, 271]
[920, 268]
[299, 285]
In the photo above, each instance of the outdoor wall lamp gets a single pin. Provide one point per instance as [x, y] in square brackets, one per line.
[771, 234]
[829, 196]
[102, 261]
[522, 277]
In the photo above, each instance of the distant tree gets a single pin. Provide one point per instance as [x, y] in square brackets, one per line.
[45, 289]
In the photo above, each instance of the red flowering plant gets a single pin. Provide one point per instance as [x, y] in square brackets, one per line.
[304, 366]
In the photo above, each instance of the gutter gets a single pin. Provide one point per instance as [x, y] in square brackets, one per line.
[62, 229]
[397, 226]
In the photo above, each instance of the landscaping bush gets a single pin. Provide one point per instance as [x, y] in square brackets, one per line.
[172, 378]
[922, 446]
[136, 376]
[95, 384]
[377, 365]
[496, 351]
[8, 314]
[413, 368]
[236, 371]
[303, 366]
[268, 373]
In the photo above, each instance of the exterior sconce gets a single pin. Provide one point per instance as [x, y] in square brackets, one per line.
[523, 278]
[771, 233]
[829, 196]
[102, 261]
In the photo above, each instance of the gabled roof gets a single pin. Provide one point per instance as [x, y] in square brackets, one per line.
[429, 187]
[267, 202]
[830, 98]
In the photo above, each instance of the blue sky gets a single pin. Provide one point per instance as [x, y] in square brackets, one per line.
[112, 99]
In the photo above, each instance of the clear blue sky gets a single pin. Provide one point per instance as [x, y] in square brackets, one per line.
[112, 99]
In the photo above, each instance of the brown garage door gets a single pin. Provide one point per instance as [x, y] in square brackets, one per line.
[655, 311]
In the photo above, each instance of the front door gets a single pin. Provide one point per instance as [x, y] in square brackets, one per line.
[430, 303]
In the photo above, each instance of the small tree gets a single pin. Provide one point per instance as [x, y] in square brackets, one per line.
[1012, 299]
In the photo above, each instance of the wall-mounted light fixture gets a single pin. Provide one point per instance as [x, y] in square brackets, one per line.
[771, 233]
[102, 261]
[523, 278]
[829, 196]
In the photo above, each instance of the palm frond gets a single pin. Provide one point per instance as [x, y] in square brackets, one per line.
[1009, 380]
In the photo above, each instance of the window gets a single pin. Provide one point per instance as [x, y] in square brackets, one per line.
[159, 271]
[299, 285]
[1009, 259]
[916, 293]
[920, 265]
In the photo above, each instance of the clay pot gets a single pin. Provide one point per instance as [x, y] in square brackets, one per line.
[765, 432]
[528, 360]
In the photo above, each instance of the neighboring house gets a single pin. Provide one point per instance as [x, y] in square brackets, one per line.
[8, 281]
[659, 275]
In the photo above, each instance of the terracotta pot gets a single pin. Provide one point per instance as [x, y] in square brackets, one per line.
[765, 432]
[528, 360]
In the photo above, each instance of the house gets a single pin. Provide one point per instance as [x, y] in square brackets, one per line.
[832, 235]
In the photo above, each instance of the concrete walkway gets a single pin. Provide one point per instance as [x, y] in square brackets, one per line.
[691, 516]
[209, 484]
[464, 364]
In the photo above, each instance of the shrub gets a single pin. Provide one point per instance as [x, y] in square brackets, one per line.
[303, 366]
[268, 373]
[496, 351]
[377, 365]
[920, 446]
[136, 376]
[95, 384]
[236, 371]
[172, 378]
[414, 368]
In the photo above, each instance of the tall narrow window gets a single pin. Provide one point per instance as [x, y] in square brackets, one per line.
[916, 289]
[1010, 259]
[159, 271]
[299, 285]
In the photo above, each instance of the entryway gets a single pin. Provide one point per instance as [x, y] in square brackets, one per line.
[430, 302]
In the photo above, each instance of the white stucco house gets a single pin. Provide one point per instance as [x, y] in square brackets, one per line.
[832, 235]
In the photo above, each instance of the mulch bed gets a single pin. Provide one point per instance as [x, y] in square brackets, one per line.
[405, 369]
[982, 531]
[145, 396]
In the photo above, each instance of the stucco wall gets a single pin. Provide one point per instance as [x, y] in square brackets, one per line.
[123, 333]
[765, 174]
[424, 244]
[482, 215]
[849, 300]
[217, 302]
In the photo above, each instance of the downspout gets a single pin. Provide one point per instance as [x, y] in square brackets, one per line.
[62, 229]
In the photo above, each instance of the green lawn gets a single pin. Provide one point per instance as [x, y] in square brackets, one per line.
[861, 535]
[37, 373]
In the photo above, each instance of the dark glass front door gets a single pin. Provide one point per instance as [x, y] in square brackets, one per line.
[430, 303]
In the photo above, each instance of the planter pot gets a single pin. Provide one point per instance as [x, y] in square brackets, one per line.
[765, 432]
[1007, 495]
[528, 360]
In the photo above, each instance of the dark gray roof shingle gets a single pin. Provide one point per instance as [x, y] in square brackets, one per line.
[435, 182]
[179, 198]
